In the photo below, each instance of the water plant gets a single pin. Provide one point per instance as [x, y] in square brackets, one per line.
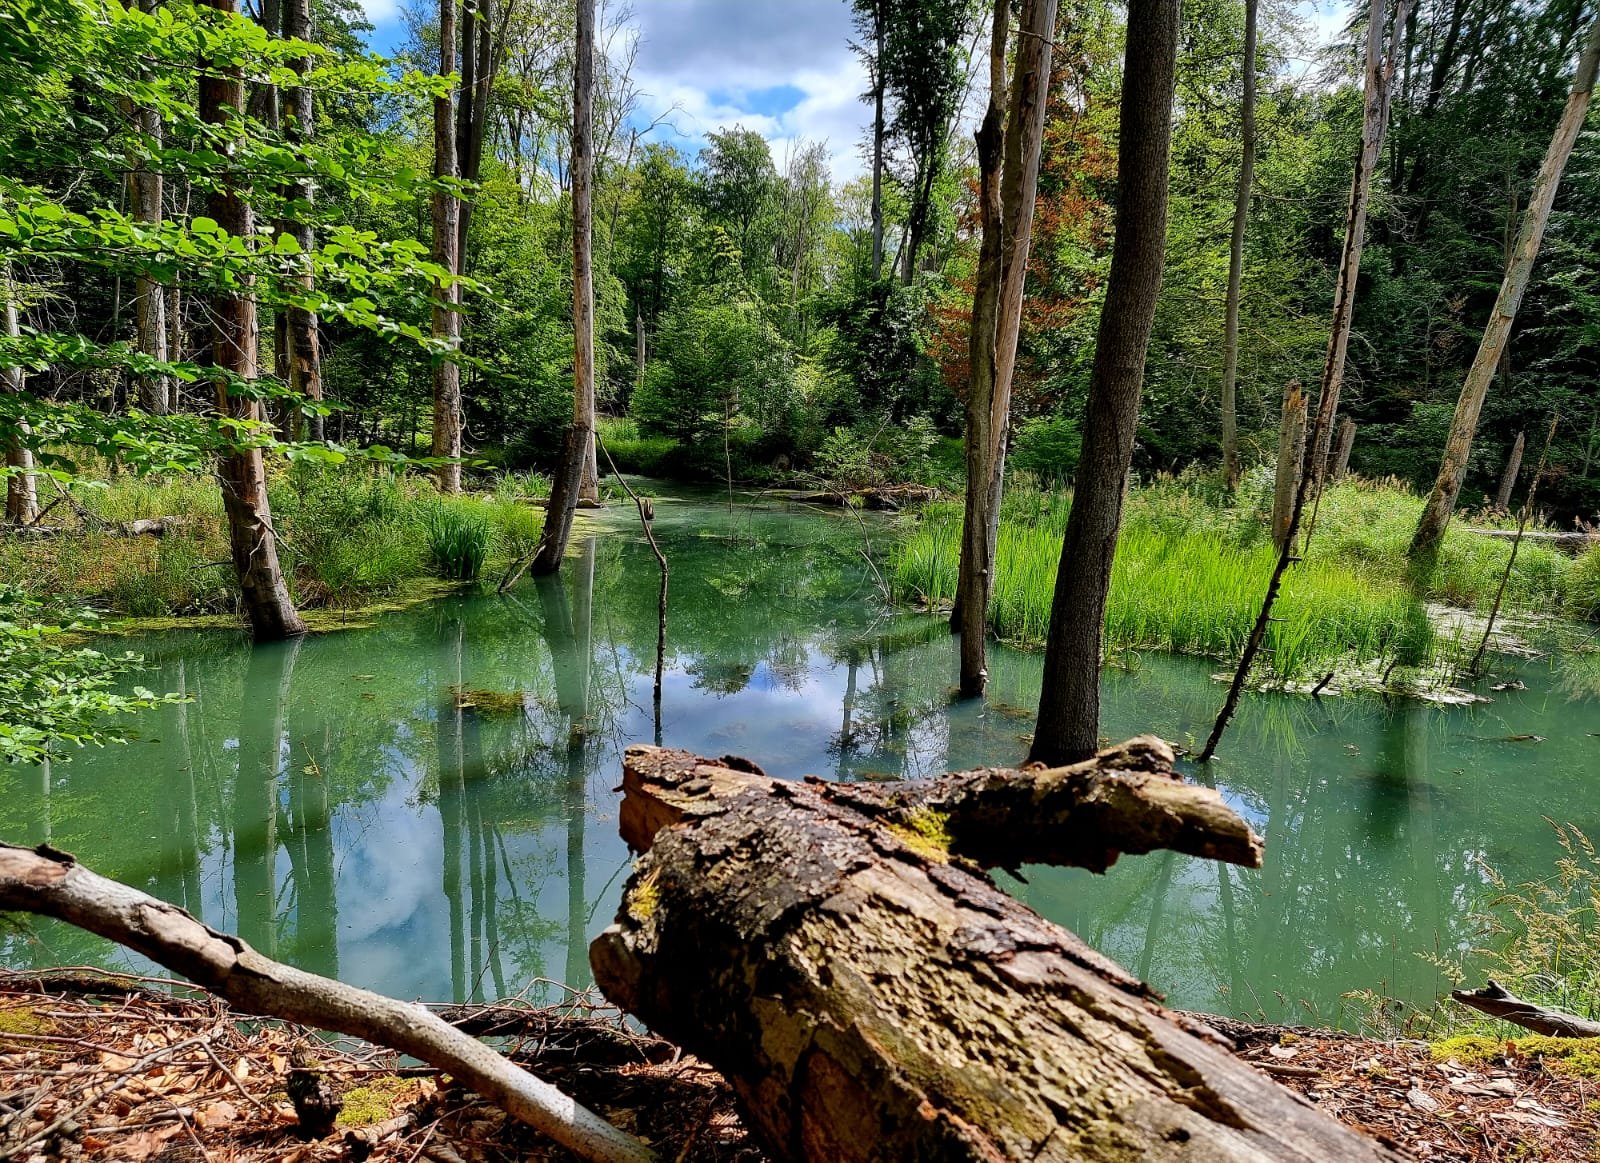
[458, 534]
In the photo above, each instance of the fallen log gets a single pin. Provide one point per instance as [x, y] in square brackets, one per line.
[1497, 1001]
[890, 498]
[51, 883]
[836, 951]
[1568, 542]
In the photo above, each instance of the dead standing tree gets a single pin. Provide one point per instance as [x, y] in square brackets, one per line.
[837, 952]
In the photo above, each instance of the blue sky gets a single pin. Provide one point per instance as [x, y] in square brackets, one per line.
[781, 67]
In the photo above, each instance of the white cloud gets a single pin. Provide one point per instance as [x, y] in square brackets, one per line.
[783, 70]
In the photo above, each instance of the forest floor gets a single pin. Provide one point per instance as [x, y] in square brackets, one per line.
[96, 1067]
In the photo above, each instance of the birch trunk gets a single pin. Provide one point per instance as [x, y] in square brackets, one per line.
[1458, 444]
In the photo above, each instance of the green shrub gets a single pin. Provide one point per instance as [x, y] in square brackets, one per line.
[1048, 447]
[634, 452]
[458, 533]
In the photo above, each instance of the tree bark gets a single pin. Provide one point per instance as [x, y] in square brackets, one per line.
[1069, 701]
[879, 31]
[1008, 190]
[1375, 121]
[22, 491]
[1291, 460]
[1241, 212]
[870, 995]
[150, 297]
[1458, 444]
[568, 488]
[1341, 451]
[1508, 479]
[243, 475]
[51, 883]
[446, 293]
[301, 331]
[970, 618]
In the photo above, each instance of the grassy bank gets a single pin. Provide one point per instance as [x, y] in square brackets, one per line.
[349, 537]
[1192, 566]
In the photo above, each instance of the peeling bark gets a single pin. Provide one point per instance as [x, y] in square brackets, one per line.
[836, 952]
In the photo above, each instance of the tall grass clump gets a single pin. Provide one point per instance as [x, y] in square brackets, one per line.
[1583, 586]
[1189, 578]
[459, 534]
[633, 451]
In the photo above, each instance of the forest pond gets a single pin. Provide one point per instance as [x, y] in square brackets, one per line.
[425, 806]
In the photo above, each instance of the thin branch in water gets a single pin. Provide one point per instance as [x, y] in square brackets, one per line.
[646, 519]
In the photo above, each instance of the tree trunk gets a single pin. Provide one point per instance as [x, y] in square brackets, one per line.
[1375, 121]
[870, 995]
[1458, 445]
[879, 19]
[1069, 701]
[304, 345]
[243, 475]
[1341, 451]
[1241, 212]
[1508, 480]
[49, 882]
[150, 298]
[22, 491]
[447, 295]
[970, 617]
[1291, 460]
[1008, 187]
[567, 490]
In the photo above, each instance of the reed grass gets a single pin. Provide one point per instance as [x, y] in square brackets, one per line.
[1192, 566]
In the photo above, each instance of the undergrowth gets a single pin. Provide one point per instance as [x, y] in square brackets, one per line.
[348, 536]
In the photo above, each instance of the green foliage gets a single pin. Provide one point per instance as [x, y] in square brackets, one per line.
[721, 366]
[636, 453]
[859, 457]
[458, 538]
[1583, 586]
[54, 693]
[1048, 447]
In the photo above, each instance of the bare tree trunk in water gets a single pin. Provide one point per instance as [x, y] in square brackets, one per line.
[1458, 445]
[22, 492]
[1375, 121]
[1009, 167]
[446, 234]
[301, 331]
[1069, 701]
[264, 592]
[1508, 480]
[1241, 212]
[970, 617]
[1291, 460]
[567, 489]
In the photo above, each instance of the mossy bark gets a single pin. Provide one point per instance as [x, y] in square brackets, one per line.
[836, 951]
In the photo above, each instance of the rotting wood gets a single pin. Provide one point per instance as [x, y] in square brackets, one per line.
[1497, 1001]
[836, 951]
[51, 883]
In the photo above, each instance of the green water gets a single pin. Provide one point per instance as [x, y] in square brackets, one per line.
[330, 802]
